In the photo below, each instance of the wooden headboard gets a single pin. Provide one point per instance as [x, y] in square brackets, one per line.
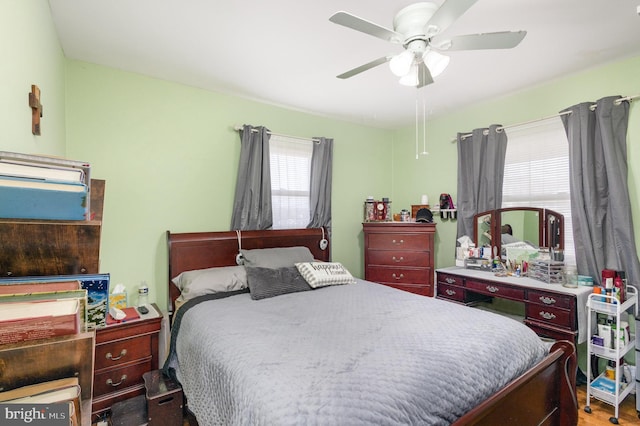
[200, 250]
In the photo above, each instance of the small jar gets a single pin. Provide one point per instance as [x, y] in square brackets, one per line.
[143, 294]
[570, 277]
[404, 215]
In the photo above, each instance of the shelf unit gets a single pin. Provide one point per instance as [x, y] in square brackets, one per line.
[609, 305]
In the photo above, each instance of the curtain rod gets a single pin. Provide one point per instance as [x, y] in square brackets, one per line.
[238, 128]
[617, 101]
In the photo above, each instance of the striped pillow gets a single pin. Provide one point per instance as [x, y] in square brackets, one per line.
[321, 274]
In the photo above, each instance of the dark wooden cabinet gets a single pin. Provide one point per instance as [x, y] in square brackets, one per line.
[124, 352]
[400, 255]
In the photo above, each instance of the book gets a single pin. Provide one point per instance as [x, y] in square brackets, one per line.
[55, 391]
[29, 198]
[79, 294]
[130, 314]
[18, 169]
[9, 287]
[97, 286]
[24, 321]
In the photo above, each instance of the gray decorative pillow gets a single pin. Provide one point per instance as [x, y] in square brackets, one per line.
[211, 280]
[280, 257]
[269, 282]
[321, 274]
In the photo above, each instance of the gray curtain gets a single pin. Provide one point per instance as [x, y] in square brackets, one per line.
[480, 174]
[320, 191]
[252, 203]
[600, 205]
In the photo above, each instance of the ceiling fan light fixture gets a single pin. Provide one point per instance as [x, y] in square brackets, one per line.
[436, 62]
[411, 78]
[401, 64]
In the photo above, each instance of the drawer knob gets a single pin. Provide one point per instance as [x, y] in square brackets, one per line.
[450, 292]
[112, 358]
[122, 379]
[548, 300]
[450, 280]
[547, 315]
[492, 289]
[397, 277]
[398, 260]
[397, 242]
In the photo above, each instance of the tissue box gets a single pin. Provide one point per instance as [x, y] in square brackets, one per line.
[118, 300]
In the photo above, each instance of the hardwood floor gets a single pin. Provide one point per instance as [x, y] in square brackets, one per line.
[601, 412]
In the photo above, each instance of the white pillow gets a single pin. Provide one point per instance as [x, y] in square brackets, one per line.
[321, 274]
[212, 280]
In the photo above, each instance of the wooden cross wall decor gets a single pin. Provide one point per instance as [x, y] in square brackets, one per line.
[36, 109]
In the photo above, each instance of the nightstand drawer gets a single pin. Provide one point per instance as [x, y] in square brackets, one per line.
[400, 258]
[120, 378]
[122, 351]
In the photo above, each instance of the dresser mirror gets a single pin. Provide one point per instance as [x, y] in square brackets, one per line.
[534, 226]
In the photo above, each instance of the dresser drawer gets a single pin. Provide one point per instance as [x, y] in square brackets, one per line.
[400, 258]
[120, 378]
[399, 241]
[450, 292]
[382, 274]
[497, 290]
[550, 299]
[450, 279]
[423, 290]
[122, 351]
[546, 314]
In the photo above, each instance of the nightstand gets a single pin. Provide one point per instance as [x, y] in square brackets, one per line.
[124, 352]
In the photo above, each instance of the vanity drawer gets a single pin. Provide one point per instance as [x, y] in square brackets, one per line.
[120, 378]
[493, 289]
[547, 314]
[399, 241]
[550, 299]
[450, 279]
[450, 292]
[383, 274]
[400, 258]
[122, 351]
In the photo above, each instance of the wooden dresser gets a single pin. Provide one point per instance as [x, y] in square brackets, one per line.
[400, 255]
[124, 352]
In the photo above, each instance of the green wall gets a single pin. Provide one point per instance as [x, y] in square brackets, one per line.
[437, 172]
[169, 152]
[169, 155]
[31, 55]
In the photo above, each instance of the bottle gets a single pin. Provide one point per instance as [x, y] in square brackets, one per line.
[143, 294]
[387, 206]
[368, 209]
[623, 286]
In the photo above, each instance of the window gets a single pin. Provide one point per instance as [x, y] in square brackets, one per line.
[536, 172]
[290, 173]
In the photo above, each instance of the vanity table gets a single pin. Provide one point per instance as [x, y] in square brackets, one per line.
[551, 310]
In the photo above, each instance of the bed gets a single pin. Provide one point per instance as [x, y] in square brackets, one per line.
[356, 353]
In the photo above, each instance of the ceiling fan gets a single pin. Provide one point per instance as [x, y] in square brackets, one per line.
[418, 27]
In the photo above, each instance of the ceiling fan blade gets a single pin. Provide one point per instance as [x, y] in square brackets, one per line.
[424, 75]
[365, 67]
[351, 21]
[499, 40]
[447, 14]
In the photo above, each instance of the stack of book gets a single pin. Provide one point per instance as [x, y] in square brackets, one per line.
[42, 187]
[65, 393]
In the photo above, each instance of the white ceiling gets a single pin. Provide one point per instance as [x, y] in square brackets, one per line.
[286, 52]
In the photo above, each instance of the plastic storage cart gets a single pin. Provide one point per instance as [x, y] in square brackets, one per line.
[612, 348]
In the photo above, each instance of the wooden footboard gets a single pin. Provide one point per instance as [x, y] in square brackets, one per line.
[544, 395]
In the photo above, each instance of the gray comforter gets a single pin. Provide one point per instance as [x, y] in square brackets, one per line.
[344, 355]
